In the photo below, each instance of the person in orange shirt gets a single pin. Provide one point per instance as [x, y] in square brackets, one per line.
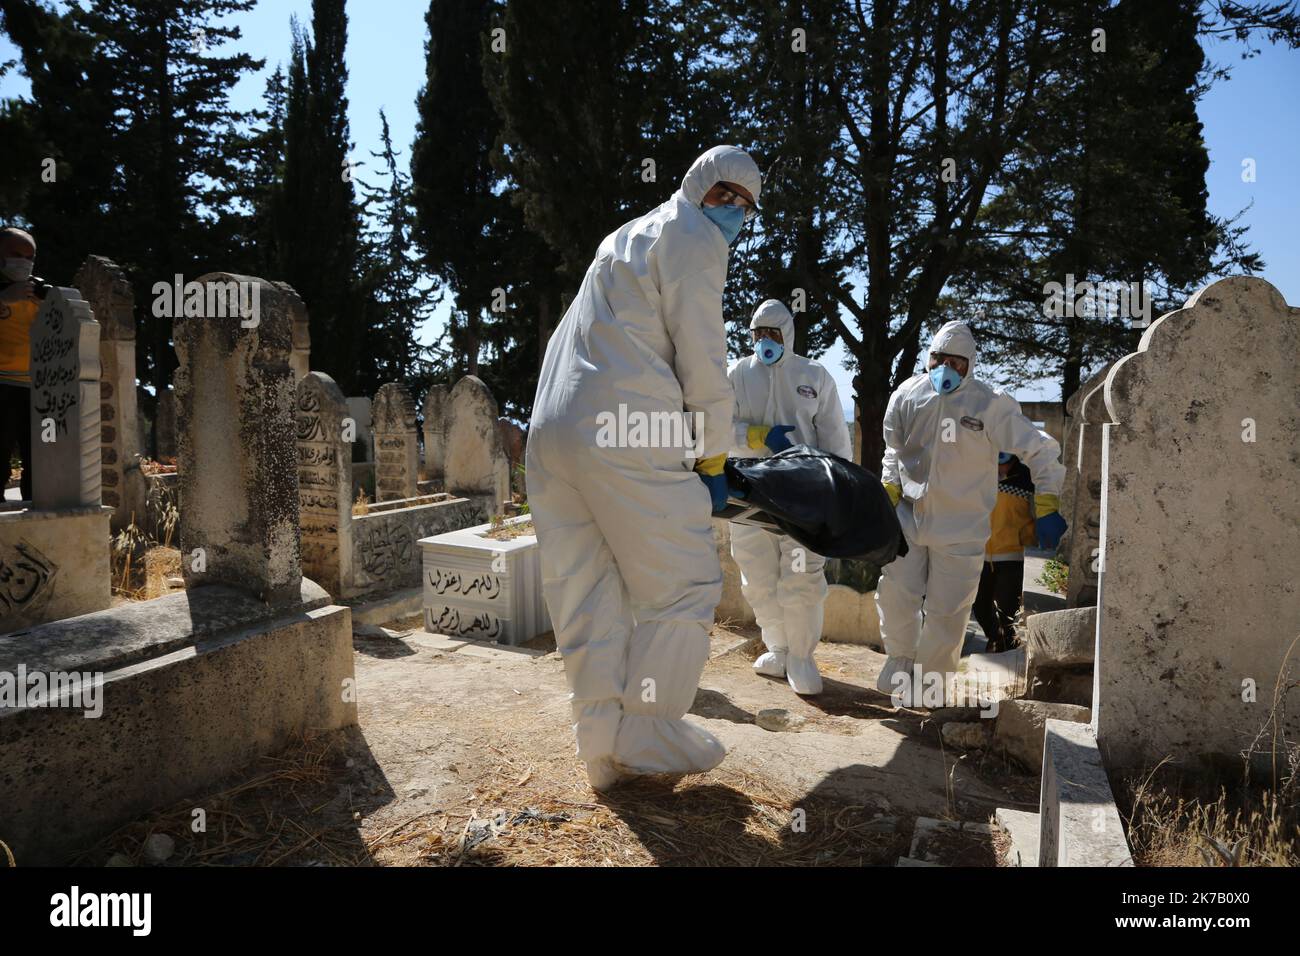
[1002, 581]
[20, 299]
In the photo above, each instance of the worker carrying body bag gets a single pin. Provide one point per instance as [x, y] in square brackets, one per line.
[831, 506]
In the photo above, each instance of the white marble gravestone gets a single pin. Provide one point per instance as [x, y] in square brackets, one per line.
[1198, 605]
[65, 403]
[484, 589]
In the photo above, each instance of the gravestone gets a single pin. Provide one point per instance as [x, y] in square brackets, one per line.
[65, 403]
[476, 464]
[105, 286]
[513, 440]
[300, 357]
[235, 397]
[324, 483]
[435, 430]
[1198, 606]
[1081, 494]
[397, 452]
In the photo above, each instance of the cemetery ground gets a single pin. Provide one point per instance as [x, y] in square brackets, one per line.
[463, 755]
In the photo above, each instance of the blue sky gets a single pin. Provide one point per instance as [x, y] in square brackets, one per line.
[1255, 114]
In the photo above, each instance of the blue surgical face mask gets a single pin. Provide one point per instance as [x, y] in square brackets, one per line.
[727, 218]
[944, 379]
[768, 352]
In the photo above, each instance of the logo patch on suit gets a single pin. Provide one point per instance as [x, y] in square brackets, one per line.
[807, 391]
[974, 424]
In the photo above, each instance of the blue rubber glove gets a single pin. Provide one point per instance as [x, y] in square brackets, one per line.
[717, 485]
[776, 439]
[1050, 527]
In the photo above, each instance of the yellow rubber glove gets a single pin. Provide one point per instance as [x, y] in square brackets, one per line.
[1045, 505]
[711, 466]
[756, 436]
[895, 492]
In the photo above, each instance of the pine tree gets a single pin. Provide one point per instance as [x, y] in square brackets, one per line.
[133, 97]
[395, 303]
[1112, 191]
[317, 220]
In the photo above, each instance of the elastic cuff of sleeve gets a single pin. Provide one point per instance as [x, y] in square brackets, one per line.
[1046, 504]
[711, 466]
[894, 491]
[756, 435]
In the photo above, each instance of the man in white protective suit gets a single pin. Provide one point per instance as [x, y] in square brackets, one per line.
[630, 571]
[783, 399]
[943, 430]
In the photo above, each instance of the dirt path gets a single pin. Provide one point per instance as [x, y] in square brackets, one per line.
[464, 756]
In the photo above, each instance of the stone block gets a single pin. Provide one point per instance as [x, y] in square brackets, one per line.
[1061, 638]
[1079, 824]
[53, 565]
[1020, 726]
[195, 686]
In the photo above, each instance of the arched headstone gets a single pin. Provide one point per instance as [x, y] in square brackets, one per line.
[476, 463]
[1197, 602]
[397, 451]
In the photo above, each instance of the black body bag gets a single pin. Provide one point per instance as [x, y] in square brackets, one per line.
[831, 506]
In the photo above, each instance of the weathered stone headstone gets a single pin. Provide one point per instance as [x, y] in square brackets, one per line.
[164, 425]
[1198, 604]
[435, 430]
[300, 357]
[235, 396]
[397, 450]
[513, 440]
[65, 403]
[105, 286]
[476, 464]
[1081, 495]
[324, 483]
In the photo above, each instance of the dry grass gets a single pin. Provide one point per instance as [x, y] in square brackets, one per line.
[1254, 822]
[521, 812]
[362, 505]
[1170, 824]
[731, 819]
[264, 820]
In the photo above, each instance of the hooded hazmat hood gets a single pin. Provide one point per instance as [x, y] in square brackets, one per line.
[729, 164]
[955, 338]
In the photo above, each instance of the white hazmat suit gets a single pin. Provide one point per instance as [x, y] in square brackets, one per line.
[942, 451]
[630, 570]
[781, 579]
